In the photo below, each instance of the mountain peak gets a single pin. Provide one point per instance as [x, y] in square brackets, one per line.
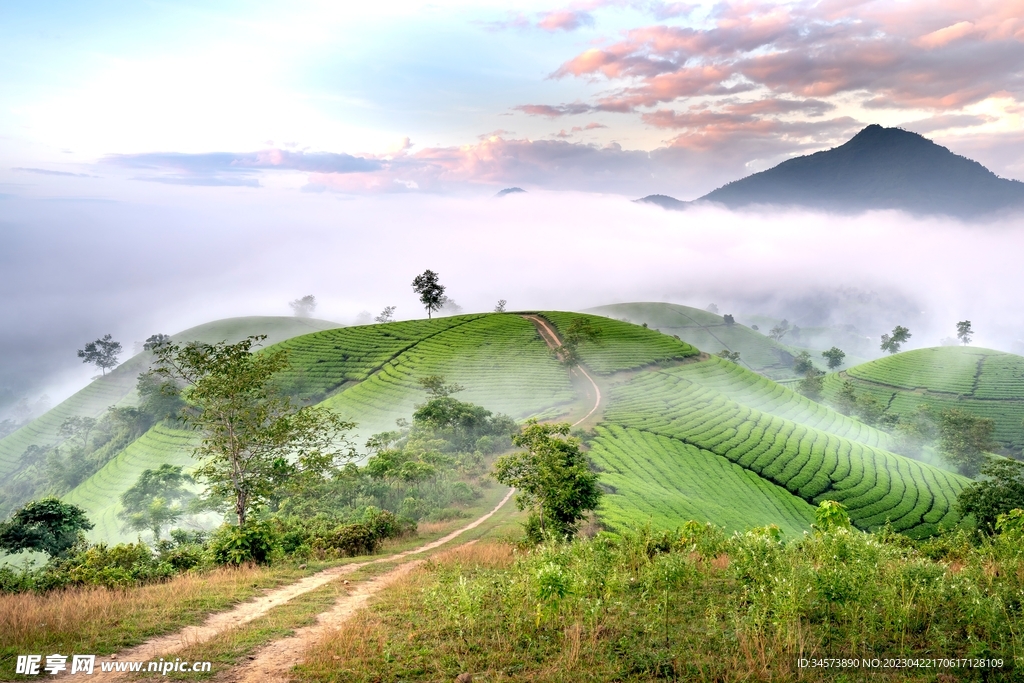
[879, 168]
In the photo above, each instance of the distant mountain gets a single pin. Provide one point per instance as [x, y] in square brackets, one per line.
[510, 190]
[880, 168]
[664, 201]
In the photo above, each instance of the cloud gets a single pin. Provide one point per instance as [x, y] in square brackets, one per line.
[936, 55]
[554, 111]
[45, 171]
[564, 20]
[232, 169]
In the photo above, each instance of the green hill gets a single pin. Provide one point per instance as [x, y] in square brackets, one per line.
[709, 332]
[678, 435]
[118, 385]
[985, 382]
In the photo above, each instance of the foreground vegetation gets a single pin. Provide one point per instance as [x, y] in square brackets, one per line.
[696, 605]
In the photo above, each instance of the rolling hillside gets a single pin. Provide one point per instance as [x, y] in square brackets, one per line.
[987, 383]
[678, 435]
[119, 384]
[710, 333]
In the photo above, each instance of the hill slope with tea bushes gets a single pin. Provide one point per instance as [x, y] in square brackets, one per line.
[982, 381]
[678, 434]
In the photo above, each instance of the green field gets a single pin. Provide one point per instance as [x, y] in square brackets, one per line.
[985, 382]
[710, 333]
[680, 435]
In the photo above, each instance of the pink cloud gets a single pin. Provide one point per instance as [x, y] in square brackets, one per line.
[564, 20]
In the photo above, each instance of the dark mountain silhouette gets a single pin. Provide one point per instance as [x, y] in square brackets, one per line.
[663, 200]
[879, 168]
[509, 190]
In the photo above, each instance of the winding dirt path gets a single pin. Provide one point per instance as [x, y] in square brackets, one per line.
[551, 338]
[253, 609]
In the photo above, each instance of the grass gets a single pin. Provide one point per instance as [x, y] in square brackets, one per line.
[985, 382]
[696, 606]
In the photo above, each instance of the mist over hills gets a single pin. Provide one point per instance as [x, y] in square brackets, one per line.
[879, 168]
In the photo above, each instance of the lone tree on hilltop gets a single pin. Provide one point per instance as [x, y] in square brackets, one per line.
[102, 353]
[431, 291]
[304, 307]
[156, 500]
[47, 525]
[387, 315]
[834, 357]
[729, 319]
[899, 336]
[253, 439]
[155, 340]
[553, 479]
[500, 307]
[964, 332]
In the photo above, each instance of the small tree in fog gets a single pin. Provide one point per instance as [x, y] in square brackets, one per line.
[500, 308]
[304, 307]
[964, 438]
[779, 331]
[387, 315]
[156, 500]
[729, 320]
[427, 284]
[156, 340]
[802, 363]
[733, 356]
[712, 308]
[964, 332]
[834, 357]
[102, 353]
[812, 384]
[899, 336]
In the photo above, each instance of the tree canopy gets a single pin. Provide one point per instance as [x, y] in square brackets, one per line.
[552, 477]
[254, 441]
[893, 342]
[156, 500]
[303, 307]
[834, 357]
[1001, 492]
[102, 353]
[47, 525]
[430, 290]
[964, 332]
[964, 438]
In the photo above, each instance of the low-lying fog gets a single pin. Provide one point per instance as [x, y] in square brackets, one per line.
[73, 270]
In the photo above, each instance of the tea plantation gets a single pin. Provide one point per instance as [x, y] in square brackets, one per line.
[985, 382]
[680, 435]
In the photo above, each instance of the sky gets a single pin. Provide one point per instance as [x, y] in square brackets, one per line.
[162, 164]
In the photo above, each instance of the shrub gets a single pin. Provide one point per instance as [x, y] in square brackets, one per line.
[253, 542]
[347, 540]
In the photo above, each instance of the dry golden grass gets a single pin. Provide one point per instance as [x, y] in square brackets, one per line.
[102, 620]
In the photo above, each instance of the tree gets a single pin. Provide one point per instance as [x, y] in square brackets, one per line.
[431, 291]
[1001, 492]
[712, 308]
[253, 439]
[846, 400]
[304, 306]
[964, 332]
[729, 320]
[728, 355]
[834, 357]
[47, 525]
[552, 476]
[155, 340]
[802, 363]
[387, 315]
[102, 353]
[779, 331]
[156, 500]
[579, 332]
[964, 438]
[899, 336]
[500, 307]
[812, 384]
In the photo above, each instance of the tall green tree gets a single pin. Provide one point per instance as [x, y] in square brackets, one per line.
[834, 357]
[893, 342]
[102, 353]
[47, 525]
[253, 439]
[156, 500]
[430, 290]
[964, 332]
[964, 438]
[1001, 492]
[552, 477]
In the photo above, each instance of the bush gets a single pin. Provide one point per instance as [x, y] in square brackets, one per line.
[254, 542]
[347, 540]
[120, 566]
